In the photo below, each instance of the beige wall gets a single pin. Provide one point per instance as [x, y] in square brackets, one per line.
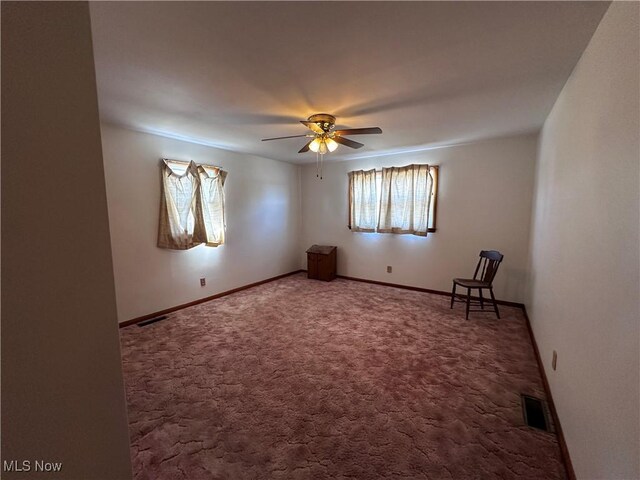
[62, 390]
[484, 203]
[585, 259]
[262, 213]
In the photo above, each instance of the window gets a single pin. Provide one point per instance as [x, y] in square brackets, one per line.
[397, 200]
[212, 194]
[363, 201]
[191, 205]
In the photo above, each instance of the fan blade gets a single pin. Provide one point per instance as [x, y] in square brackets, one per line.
[306, 147]
[313, 126]
[348, 143]
[280, 138]
[359, 131]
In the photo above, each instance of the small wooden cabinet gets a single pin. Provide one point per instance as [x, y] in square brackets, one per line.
[321, 262]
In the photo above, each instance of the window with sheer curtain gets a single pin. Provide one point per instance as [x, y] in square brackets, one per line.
[191, 205]
[212, 195]
[399, 200]
[363, 201]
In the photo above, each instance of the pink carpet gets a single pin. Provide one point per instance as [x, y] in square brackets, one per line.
[302, 379]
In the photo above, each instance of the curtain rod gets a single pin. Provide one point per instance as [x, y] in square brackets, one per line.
[379, 170]
[183, 162]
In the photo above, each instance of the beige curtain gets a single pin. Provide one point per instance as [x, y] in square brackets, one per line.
[363, 201]
[405, 200]
[181, 223]
[212, 193]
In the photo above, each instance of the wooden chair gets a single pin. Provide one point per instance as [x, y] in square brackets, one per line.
[487, 268]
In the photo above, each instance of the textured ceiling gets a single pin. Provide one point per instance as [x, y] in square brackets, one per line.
[228, 74]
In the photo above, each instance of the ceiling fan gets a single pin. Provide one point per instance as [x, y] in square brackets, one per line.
[324, 138]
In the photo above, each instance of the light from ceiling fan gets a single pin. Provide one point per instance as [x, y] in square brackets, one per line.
[314, 146]
[323, 145]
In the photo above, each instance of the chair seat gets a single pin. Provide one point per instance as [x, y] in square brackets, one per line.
[471, 283]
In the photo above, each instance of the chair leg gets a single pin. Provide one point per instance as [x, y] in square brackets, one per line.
[495, 305]
[453, 294]
[481, 299]
[468, 301]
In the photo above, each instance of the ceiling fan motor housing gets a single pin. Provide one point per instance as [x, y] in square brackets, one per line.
[325, 121]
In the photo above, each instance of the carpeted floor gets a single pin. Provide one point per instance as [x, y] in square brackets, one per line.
[302, 379]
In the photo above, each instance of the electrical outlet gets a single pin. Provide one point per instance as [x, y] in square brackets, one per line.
[554, 360]
[389, 268]
[203, 282]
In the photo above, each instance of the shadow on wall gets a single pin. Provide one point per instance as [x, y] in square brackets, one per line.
[195, 257]
[515, 282]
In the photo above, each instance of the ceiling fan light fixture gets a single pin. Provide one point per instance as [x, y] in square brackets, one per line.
[314, 146]
[331, 144]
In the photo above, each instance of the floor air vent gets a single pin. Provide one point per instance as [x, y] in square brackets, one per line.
[535, 413]
[150, 321]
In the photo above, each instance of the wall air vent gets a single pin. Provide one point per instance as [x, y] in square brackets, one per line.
[534, 411]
